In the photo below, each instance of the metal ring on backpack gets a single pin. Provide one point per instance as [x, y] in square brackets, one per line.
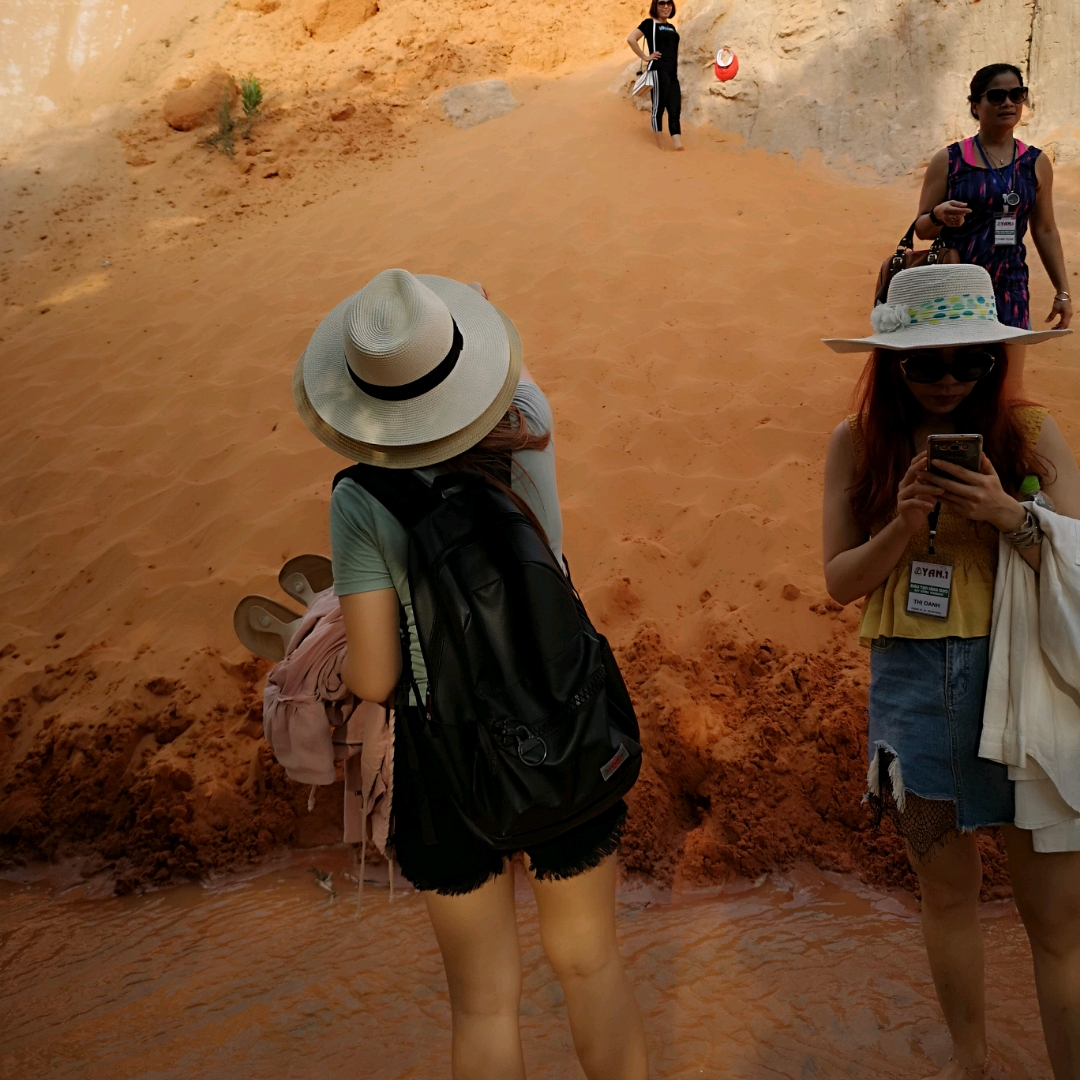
[529, 745]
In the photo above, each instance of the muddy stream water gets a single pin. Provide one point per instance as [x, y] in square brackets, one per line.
[263, 974]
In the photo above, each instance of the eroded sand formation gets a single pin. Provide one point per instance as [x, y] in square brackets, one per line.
[878, 84]
[157, 294]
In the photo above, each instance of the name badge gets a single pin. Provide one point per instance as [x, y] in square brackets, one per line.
[1004, 230]
[929, 589]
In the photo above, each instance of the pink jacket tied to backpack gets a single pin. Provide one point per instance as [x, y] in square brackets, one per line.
[311, 720]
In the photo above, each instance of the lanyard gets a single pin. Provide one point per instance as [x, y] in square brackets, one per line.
[932, 520]
[1009, 198]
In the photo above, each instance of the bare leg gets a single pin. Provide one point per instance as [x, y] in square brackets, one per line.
[1047, 890]
[477, 934]
[659, 139]
[676, 141]
[577, 927]
[1014, 380]
[949, 880]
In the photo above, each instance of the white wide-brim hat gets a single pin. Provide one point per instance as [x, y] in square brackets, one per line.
[410, 371]
[939, 306]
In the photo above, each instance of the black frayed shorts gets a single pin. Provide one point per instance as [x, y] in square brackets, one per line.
[461, 862]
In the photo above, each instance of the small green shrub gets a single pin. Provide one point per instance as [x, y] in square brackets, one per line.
[251, 96]
[224, 139]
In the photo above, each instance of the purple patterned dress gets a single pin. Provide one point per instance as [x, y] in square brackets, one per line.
[983, 191]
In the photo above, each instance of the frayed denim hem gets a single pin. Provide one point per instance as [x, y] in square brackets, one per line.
[458, 888]
[604, 848]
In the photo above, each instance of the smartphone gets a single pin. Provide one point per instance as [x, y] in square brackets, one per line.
[962, 450]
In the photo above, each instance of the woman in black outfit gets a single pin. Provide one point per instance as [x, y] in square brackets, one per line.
[664, 60]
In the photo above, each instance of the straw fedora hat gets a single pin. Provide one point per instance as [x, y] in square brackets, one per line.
[938, 306]
[410, 371]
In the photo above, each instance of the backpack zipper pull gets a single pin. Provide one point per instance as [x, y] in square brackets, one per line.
[530, 748]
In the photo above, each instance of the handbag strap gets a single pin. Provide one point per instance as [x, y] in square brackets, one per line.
[937, 248]
[406, 682]
[647, 65]
[907, 241]
[643, 64]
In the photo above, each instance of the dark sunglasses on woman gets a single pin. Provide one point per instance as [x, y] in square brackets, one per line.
[930, 366]
[1016, 94]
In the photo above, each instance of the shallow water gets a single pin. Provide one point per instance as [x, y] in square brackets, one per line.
[263, 975]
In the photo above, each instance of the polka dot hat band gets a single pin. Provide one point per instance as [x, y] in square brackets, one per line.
[932, 307]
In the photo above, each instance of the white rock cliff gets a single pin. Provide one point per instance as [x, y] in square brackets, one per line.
[877, 83]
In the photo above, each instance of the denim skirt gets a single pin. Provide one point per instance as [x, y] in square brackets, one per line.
[926, 706]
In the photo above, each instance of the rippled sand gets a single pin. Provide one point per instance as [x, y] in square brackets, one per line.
[265, 976]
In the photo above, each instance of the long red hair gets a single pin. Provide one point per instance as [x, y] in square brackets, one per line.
[887, 415]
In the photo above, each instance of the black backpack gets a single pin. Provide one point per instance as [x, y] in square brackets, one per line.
[527, 727]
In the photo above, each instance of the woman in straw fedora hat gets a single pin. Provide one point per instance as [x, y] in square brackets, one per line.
[938, 366]
[423, 374]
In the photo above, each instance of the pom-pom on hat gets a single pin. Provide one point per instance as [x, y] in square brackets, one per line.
[931, 307]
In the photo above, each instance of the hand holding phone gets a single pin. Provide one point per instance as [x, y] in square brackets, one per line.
[963, 450]
[981, 498]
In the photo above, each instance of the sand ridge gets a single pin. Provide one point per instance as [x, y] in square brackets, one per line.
[671, 306]
[90, 173]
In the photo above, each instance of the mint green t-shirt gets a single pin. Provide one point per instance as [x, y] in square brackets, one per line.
[370, 547]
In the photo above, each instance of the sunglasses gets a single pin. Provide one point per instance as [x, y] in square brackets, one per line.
[929, 366]
[1016, 94]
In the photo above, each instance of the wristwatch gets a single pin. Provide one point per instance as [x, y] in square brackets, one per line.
[934, 219]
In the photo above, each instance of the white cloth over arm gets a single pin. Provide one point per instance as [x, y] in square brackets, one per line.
[1031, 721]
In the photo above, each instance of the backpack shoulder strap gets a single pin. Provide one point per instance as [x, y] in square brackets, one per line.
[409, 499]
[406, 496]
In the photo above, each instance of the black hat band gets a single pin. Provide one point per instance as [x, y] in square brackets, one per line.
[419, 386]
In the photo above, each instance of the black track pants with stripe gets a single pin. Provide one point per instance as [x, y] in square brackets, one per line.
[666, 94]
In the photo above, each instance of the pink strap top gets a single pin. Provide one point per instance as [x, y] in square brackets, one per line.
[967, 148]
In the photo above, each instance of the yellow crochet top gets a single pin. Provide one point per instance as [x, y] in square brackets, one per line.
[970, 546]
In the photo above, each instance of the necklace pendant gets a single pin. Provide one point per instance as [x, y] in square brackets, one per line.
[1012, 199]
